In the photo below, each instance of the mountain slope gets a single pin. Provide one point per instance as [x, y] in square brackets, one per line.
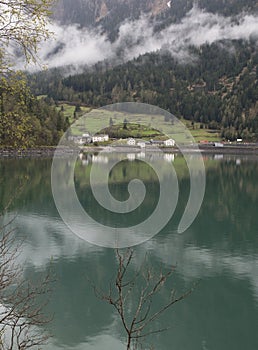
[110, 14]
[201, 66]
[219, 91]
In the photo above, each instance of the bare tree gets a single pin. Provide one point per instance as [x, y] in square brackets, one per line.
[21, 312]
[143, 285]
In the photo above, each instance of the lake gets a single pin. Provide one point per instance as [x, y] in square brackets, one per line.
[219, 251]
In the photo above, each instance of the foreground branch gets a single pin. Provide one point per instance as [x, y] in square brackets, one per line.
[143, 286]
[21, 312]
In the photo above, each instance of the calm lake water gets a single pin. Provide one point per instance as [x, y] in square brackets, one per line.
[220, 250]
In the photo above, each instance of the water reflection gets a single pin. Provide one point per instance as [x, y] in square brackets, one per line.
[220, 248]
[88, 158]
[53, 240]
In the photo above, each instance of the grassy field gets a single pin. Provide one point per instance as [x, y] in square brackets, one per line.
[95, 120]
[68, 111]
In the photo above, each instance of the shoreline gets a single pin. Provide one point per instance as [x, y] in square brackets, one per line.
[230, 149]
[40, 152]
[46, 152]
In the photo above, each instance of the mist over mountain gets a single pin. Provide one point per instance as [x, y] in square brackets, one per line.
[196, 59]
[110, 14]
[90, 31]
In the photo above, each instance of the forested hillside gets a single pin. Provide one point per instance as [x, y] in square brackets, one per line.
[27, 121]
[196, 59]
[219, 88]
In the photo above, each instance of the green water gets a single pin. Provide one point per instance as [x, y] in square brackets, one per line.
[220, 250]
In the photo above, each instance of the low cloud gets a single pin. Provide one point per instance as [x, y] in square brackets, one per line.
[77, 47]
[196, 28]
[72, 45]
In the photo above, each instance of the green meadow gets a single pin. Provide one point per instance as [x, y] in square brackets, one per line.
[143, 126]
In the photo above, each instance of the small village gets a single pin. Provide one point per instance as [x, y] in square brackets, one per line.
[87, 139]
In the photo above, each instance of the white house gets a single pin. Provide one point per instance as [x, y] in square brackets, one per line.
[80, 141]
[169, 143]
[218, 144]
[131, 142]
[87, 138]
[100, 138]
[141, 144]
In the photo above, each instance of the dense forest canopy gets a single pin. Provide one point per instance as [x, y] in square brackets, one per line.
[25, 120]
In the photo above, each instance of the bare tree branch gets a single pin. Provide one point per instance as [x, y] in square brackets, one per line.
[21, 312]
[136, 322]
